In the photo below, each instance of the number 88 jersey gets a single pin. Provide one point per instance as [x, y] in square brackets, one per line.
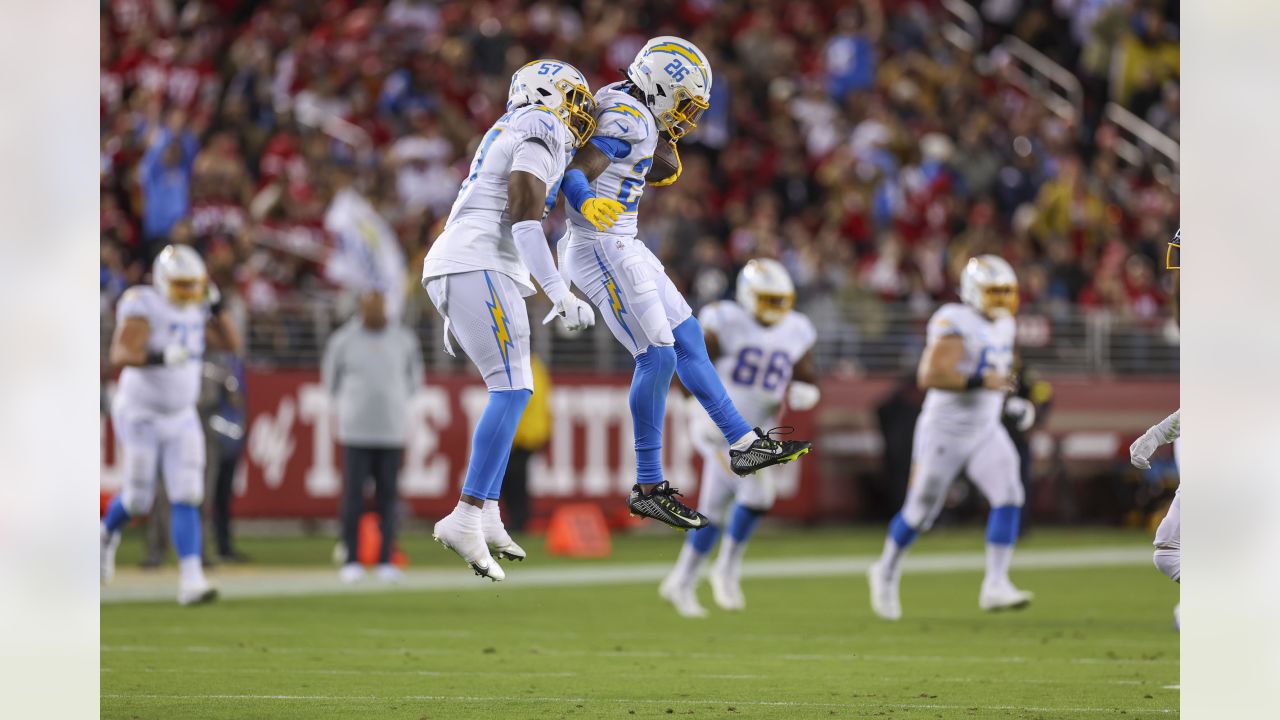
[756, 360]
[622, 118]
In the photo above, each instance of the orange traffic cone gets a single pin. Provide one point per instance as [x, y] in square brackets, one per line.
[578, 530]
[369, 543]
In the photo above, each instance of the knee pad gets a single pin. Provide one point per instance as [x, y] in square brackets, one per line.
[925, 498]
[137, 501]
[1169, 561]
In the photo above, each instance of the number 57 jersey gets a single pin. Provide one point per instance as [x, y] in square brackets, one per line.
[756, 360]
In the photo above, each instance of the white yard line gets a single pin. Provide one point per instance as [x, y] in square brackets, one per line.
[645, 701]
[265, 582]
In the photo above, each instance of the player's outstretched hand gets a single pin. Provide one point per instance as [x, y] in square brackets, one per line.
[602, 212]
[1142, 449]
[576, 313]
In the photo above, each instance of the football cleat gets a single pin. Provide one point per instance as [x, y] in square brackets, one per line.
[726, 589]
[109, 542]
[1004, 597]
[389, 574]
[469, 545]
[196, 592]
[765, 451]
[351, 573]
[661, 505]
[501, 546]
[884, 594]
[682, 597]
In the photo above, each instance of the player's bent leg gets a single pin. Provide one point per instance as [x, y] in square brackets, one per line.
[140, 457]
[680, 586]
[1169, 561]
[1168, 541]
[755, 498]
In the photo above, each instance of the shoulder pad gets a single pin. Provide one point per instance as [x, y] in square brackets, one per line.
[623, 117]
[536, 121]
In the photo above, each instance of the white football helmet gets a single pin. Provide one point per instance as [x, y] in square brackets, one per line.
[675, 79]
[180, 276]
[560, 87]
[765, 290]
[989, 285]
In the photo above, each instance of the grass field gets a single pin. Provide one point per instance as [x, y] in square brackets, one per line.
[583, 639]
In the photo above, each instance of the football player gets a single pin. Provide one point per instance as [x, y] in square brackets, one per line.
[477, 275]
[667, 89]
[965, 370]
[161, 334]
[1168, 541]
[762, 351]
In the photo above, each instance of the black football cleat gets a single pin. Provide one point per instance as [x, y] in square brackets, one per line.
[765, 451]
[661, 505]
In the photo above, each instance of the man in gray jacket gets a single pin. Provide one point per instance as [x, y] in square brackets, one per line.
[371, 370]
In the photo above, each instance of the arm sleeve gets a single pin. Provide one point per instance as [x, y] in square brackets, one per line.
[531, 244]
[1170, 428]
[613, 148]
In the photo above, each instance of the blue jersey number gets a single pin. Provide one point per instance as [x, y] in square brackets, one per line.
[631, 189]
[485, 144]
[677, 70]
[189, 335]
[750, 359]
[999, 359]
[547, 68]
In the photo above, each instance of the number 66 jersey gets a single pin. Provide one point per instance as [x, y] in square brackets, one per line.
[756, 360]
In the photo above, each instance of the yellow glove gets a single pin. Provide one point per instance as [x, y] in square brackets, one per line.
[675, 175]
[601, 212]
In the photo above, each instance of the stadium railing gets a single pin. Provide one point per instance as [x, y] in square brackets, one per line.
[877, 338]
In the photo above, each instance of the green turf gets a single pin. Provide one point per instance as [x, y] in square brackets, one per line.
[1097, 643]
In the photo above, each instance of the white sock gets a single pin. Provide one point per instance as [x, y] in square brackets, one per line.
[689, 565]
[190, 569]
[744, 442]
[729, 561]
[998, 557]
[491, 513]
[468, 516]
[891, 557]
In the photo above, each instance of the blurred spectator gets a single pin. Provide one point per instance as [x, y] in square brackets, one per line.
[371, 370]
[222, 406]
[165, 176]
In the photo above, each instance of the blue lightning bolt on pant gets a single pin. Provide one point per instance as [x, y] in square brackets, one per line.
[485, 312]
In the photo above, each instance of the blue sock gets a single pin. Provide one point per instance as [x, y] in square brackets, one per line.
[1002, 525]
[902, 533]
[117, 517]
[648, 399]
[704, 538]
[184, 524]
[700, 377]
[495, 490]
[491, 444]
[742, 522]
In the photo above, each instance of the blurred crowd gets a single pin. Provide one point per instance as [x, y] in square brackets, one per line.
[849, 139]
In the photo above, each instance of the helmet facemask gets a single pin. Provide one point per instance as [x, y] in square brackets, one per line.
[1173, 255]
[683, 118]
[770, 308]
[186, 290]
[1000, 300]
[578, 110]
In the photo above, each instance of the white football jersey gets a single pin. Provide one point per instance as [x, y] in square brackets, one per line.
[477, 235]
[987, 344]
[162, 388]
[622, 117]
[756, 360]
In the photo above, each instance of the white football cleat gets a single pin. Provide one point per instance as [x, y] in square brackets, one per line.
[1004, 597]
[682, 597]
[726, 589]
[500, 544]
[351, 573]
[469, 545]
[109, 542]
[884, 594]
[196, 592]
[389, 574]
